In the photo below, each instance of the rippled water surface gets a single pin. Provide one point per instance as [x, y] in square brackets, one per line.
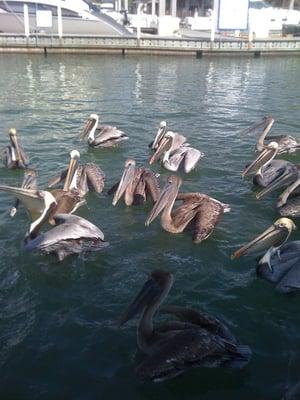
[58, 332]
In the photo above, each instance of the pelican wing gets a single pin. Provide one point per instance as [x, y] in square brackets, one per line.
[191, 348]
[108, 135]
[95, 177]
[152, 184]
[69, 227]
[33, 203]
[192, 156]
[209, 214]
[7, 157]
[174, 161]
[201, 319]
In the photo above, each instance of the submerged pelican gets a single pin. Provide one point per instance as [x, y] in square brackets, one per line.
[201, 210]
[176, 153]
[71, 235]
[13, 155]
[281, 263]
[101, 135]
[271, 172]
[85, 177]
[67, 201]
[195, 340]
[137, 184]
[286, 143]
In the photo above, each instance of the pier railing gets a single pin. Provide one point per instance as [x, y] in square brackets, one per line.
[154, 45]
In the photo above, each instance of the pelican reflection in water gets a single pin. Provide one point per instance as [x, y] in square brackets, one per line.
[286, 143]
[281, 262]
[101, 135]
[13, 155]
[198, 209]
[192, 340]
[136, 184]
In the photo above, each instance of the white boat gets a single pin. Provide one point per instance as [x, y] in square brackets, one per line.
[78, 17]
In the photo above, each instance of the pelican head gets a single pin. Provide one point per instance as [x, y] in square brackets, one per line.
[288, 176]
[74, 156]
[12, 132]
[14, 142]
[160, 134]
[166, 199]
[90, 128]
[163, 145]
[152, 294]
[126, 179]
[267, 155]
[275, 236]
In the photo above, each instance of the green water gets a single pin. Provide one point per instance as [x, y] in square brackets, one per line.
[58, 333]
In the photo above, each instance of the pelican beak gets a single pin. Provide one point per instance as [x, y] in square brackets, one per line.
[149, 291]
[71, 169]
[15, 144]
[263, 123]
[165, 197]
[163, 146]
[125, 181]
[282, 199]
[277, 234]
[90, 123]
[260, 160]
[160, 134]
[286, 178]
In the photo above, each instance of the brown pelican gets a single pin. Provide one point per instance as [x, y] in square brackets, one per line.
[281, 263]
[101, 135]
[201, 210]
[85, 177]
[13, 155]
[67, 201]
[286, 143]
[137, 184]
[195, 340]
[162, 130]
[270, 170]
[29, 182]
[71, 235]
[176, 152]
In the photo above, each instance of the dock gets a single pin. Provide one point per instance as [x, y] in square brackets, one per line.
[10, 43]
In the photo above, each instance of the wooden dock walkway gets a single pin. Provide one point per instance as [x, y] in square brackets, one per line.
[145, 45]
